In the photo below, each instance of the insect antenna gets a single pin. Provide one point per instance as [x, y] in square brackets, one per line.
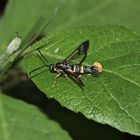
[44, 60]
[37, 69]
[41, 56]
[38, 73]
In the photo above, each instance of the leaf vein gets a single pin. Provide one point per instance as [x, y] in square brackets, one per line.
[119, 105]
[129, 80]
[123, 66]
[123, 77]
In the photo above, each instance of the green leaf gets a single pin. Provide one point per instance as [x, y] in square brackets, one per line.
[19, 120]
[112, 98]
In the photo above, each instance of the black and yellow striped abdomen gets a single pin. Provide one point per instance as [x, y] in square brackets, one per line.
[79, 69]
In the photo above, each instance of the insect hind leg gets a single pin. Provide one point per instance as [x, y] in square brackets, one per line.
[80, 77]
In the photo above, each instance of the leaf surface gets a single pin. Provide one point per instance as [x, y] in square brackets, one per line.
[114, 97]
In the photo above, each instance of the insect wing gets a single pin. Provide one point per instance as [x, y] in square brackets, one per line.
[81, 50]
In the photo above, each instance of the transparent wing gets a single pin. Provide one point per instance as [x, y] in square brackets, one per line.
[80, 51]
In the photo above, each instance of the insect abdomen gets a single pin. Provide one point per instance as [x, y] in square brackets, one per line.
[77, 69]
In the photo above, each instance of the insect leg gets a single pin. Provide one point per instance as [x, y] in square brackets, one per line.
[64, 74]
[80, 77]
[54, 83]
[60, 73]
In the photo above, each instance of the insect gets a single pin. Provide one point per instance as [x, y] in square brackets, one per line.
[73, 71]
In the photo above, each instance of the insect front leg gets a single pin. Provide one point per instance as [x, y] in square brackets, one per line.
[60, 73]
